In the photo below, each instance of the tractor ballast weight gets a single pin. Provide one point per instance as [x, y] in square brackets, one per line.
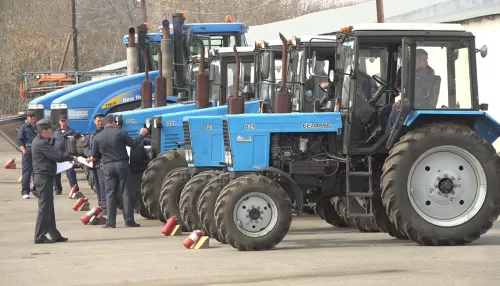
[236, 103]
[202, 82]
[146, 86]
[167, 50]
[160, 83]
[282, 97]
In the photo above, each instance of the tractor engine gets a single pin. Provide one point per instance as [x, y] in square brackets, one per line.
[306, 154]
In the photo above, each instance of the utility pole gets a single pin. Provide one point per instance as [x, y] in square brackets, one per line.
[75, 40]
[144, 15]
[380, 11]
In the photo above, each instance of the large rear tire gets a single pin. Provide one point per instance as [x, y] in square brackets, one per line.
[206, 205]
[135, 182]
[171, 194]
[154, 175]
[362, 224]
[329, 214]
[440, 185]
[253, 213]
[189, 198]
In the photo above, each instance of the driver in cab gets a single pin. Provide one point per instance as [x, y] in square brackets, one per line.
[424, 76]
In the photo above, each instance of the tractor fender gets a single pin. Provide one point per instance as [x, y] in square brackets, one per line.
[295, 188]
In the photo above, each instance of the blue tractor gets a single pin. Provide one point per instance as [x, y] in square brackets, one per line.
[198, 193]
[429, 173]
[167, 132]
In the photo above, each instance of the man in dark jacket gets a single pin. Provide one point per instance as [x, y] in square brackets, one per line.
[58, 140]
[45, 158]
[98, 173]
[110, 147]
[25, 136]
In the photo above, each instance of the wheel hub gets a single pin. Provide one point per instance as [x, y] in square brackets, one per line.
[255, 214]
[447, 186]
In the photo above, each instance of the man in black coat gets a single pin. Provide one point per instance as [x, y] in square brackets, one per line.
[45, 158]
[110, 147]
[59, 141]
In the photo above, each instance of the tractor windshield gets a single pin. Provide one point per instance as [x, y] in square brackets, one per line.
[215, 80]
[219, 41]
[267, 85]
[246, 76]
[345, 64]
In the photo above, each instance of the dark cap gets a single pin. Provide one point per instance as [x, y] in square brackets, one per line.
[98, 115]
[31, 113]
[108, 119]
[43, 124]
[63, 118]
[421, 52]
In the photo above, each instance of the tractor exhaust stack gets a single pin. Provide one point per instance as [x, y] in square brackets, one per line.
[168, 54]
[132, 54]
[179, 61]
[282, 98]
[202, 82]
[160, 83]
[236, 103]
[146, 86]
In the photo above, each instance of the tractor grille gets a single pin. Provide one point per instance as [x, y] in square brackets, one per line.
[187, 138]
[225, 135]
[170, 141]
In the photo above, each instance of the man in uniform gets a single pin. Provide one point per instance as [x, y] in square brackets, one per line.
[97, 171]
[110, 146]
[45, 158]
[58, 140]
[25, 136]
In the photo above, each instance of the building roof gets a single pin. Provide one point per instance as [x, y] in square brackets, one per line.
[396, 11]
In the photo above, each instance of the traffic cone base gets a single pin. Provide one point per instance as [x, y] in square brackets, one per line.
[202, 243]
[84, 208]
[177, 230]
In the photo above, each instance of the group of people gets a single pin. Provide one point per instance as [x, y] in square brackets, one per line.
[42, 148]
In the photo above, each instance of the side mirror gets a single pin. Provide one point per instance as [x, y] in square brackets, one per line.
[295, 61]
[312, 64]
[331, 75]
[483, 51]
[371, 59]
[266, 64]
[189, 37]
[455, 54]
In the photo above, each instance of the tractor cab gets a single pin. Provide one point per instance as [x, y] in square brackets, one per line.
[423, 68]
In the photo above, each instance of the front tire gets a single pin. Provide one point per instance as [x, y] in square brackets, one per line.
[361, 223]
[253, 213]
[189, 198]
[206, 205]
[452, 192]
[154, 175]
[171, 194]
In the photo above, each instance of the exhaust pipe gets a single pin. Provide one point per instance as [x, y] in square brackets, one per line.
[236, 103]
[282, 98]
[179, 76]
[202, 82]
[160, 83]
[146, 86]
[132, 54]
[168, 53]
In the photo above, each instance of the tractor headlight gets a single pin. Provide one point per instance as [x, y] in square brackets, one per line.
[148, 123]
[189, 155]
[228, 158]
[156, 124]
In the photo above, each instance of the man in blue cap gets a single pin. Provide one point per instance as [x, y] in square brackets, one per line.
[45, 158]
[25, 136]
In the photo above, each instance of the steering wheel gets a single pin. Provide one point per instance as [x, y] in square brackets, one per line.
[380, 80]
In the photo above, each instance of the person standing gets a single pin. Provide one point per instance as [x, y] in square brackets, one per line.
[98, 173]
[58, 140]
[45, 158]
[25, 136]
[110, 146]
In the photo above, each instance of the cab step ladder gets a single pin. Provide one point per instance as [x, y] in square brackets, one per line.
[359, 195]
